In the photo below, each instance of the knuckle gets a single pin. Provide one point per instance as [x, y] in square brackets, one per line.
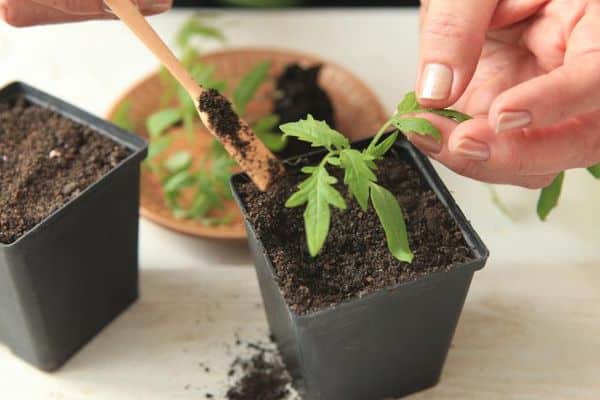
[467, 169]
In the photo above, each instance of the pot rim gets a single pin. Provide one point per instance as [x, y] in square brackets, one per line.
[136, 145]
[425, 168]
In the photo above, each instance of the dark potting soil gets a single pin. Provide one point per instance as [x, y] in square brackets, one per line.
[45, 160]
[300, 95]
[225, 122]
[355, 260]
[262, 376]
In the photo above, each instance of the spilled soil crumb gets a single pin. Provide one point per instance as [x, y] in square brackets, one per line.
[260, 376]
[355, 260]
[45, 161]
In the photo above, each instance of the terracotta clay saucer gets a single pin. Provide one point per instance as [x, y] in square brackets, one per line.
[358, 112]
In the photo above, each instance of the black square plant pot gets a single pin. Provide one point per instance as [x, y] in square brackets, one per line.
[384, 345]
[69, 276]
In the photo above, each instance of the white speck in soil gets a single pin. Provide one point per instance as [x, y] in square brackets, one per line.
[69, 187]
[54, 154]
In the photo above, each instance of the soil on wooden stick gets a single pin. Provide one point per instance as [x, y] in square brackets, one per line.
[223, 119]
[355, 260]
[45, 160]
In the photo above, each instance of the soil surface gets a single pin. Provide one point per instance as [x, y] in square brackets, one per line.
[45, 160]
[300, 95]
[263, 377]
[355, 260]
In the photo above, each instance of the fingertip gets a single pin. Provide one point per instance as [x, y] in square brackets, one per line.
[474, 129]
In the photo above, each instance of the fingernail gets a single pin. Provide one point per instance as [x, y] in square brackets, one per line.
[436, 82]
[426, 144]
[473, 149]
[509, 120]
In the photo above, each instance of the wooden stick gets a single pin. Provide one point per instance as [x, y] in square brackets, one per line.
[215, 111]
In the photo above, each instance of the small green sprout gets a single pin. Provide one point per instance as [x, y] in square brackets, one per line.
[318, 192]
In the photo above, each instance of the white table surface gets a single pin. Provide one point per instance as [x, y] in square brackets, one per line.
[531, 325]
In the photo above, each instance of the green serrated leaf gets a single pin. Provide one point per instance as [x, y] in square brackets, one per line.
[122, 116]
[178, 162]
[317, 215]
[317, 191]
[409, 104]
[595, 171]
[179, 181]
[249, 85]
[162, 120]
[379, 150]
[308, 170]
[390, 215]
[357, 175]
[549, 197]
[452, 114]
[158, 145]
[419, 126]
[318, 133]
[334, 161]
[195, 27]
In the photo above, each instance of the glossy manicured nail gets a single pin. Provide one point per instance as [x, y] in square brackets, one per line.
[426, 144]
[509, 120]
[436, 82]
[473, 149]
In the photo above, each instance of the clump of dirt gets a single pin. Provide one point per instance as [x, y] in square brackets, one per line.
[262, 376]
[299, 95]
[221, 116]
[45, 161]
[355, 260]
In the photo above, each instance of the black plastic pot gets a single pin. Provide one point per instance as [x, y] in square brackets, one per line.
[384, 345]
[69, 276]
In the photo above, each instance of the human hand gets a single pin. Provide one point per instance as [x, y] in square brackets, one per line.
[36, 12]
[528, 70]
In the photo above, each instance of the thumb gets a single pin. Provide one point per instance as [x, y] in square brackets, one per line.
[452, 38]
[90, 7]
[35, 12]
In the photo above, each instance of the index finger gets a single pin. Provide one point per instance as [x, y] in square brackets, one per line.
[452, 38]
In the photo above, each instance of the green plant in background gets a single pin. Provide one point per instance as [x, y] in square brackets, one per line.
[319, 194]
[207, 178]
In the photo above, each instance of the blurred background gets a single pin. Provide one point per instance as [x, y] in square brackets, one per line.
[295, 3]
